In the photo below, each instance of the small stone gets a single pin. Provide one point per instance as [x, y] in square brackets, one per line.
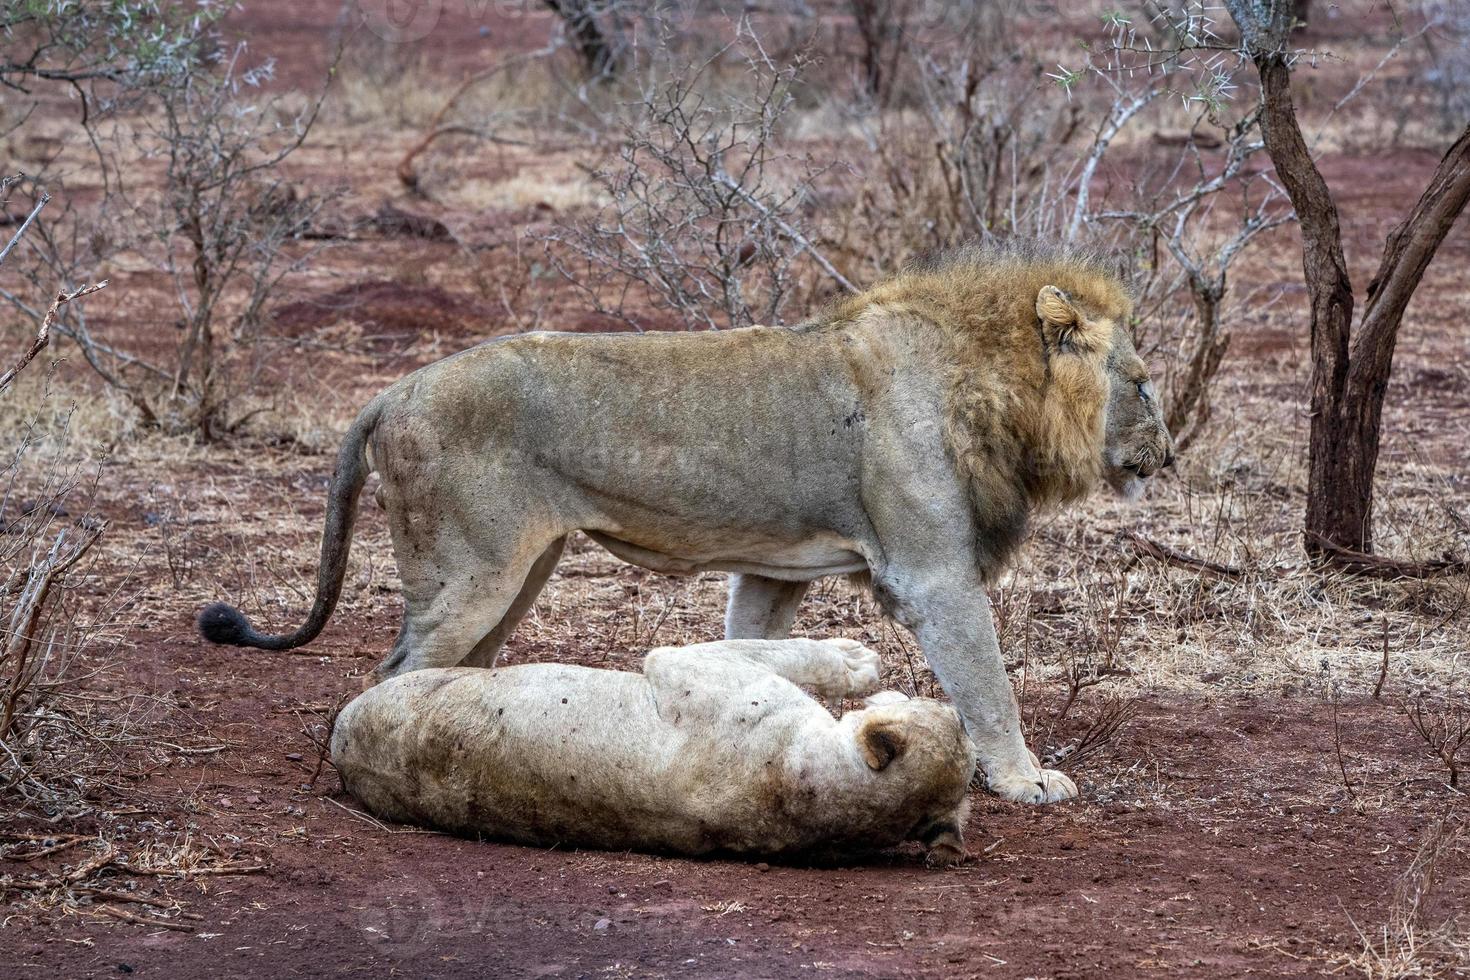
[293, 756]
[763, 866]
[1026, 878]
[602, 925]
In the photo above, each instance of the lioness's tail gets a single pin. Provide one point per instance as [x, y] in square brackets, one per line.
[220, 622]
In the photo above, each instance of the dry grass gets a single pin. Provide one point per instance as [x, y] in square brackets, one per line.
[1412, 943]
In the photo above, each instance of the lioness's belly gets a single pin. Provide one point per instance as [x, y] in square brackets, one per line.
[540, 754]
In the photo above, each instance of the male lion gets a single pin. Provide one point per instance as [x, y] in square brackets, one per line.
[712, 747]
[907, 432]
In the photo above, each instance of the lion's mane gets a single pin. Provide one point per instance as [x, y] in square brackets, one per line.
[1024, 426]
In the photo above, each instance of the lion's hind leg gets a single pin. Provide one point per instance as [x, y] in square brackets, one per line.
[834, 669]
[488, 649]
[456, 598]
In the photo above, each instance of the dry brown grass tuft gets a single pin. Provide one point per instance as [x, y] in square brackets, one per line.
[1408, 945]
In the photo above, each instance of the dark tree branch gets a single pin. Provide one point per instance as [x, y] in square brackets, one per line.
[1407, 253]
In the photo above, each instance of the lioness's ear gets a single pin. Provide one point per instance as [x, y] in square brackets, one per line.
[880, 741]
[1059, 318]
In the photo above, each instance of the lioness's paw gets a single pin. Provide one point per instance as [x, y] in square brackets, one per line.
[1044, 786]
[860, 668]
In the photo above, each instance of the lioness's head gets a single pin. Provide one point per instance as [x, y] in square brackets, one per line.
[1136, 442]
[919, 764]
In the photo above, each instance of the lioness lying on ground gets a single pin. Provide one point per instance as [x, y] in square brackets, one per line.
[713, 747]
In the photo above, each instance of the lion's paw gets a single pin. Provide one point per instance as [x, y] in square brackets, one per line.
[861, 668]
[946, 854]
[1045, 786]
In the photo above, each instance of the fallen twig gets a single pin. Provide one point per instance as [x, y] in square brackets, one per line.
[62, 845]
[144, 920]
[116, 896]
[1162, 552]
[1336, 557]
[223, 869]
[1383, 669]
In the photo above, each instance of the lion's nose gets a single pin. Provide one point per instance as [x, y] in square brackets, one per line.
[1169, 458]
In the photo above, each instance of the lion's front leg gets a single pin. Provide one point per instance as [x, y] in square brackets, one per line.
[950, 615]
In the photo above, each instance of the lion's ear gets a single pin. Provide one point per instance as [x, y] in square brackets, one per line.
[1060, 320]
[881, 741]
[1063, 325]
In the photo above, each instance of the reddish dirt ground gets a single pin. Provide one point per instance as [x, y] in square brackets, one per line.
[1160, 867]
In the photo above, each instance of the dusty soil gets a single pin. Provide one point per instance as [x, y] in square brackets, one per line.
[1221, 841]
[1239, 825]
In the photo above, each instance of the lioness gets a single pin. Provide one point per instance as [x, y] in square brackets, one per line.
[907, 432]
[712, 747]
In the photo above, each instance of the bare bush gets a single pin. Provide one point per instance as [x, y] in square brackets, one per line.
[1444, 725]
[986, 153]
[42, 724]
[1113, 713]
[880, 27]
[1180, 216]
[596, 32]
[974, 158]
[1447, 42]
[222, 230]
[705, 213]
[225, 227]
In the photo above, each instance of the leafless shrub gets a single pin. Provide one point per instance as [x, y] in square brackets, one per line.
[42, 726]
[226, 228]
[596, 30]
[880, 28]
[989, 153]
[704, 213]
[319, 734]
[1112, 714]
[1447, 42]
[1443, 722]
[222, 231]
[972, 158]
[1178, 217]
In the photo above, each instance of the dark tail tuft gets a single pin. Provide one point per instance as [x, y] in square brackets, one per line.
[220, 622]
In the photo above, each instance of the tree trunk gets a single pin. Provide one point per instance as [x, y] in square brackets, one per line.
[1339, 490]
[597, 53]
[1349, 375]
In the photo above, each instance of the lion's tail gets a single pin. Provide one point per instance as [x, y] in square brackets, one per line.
[222, 623]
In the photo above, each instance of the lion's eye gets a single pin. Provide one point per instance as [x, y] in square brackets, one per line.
[1145, 390]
